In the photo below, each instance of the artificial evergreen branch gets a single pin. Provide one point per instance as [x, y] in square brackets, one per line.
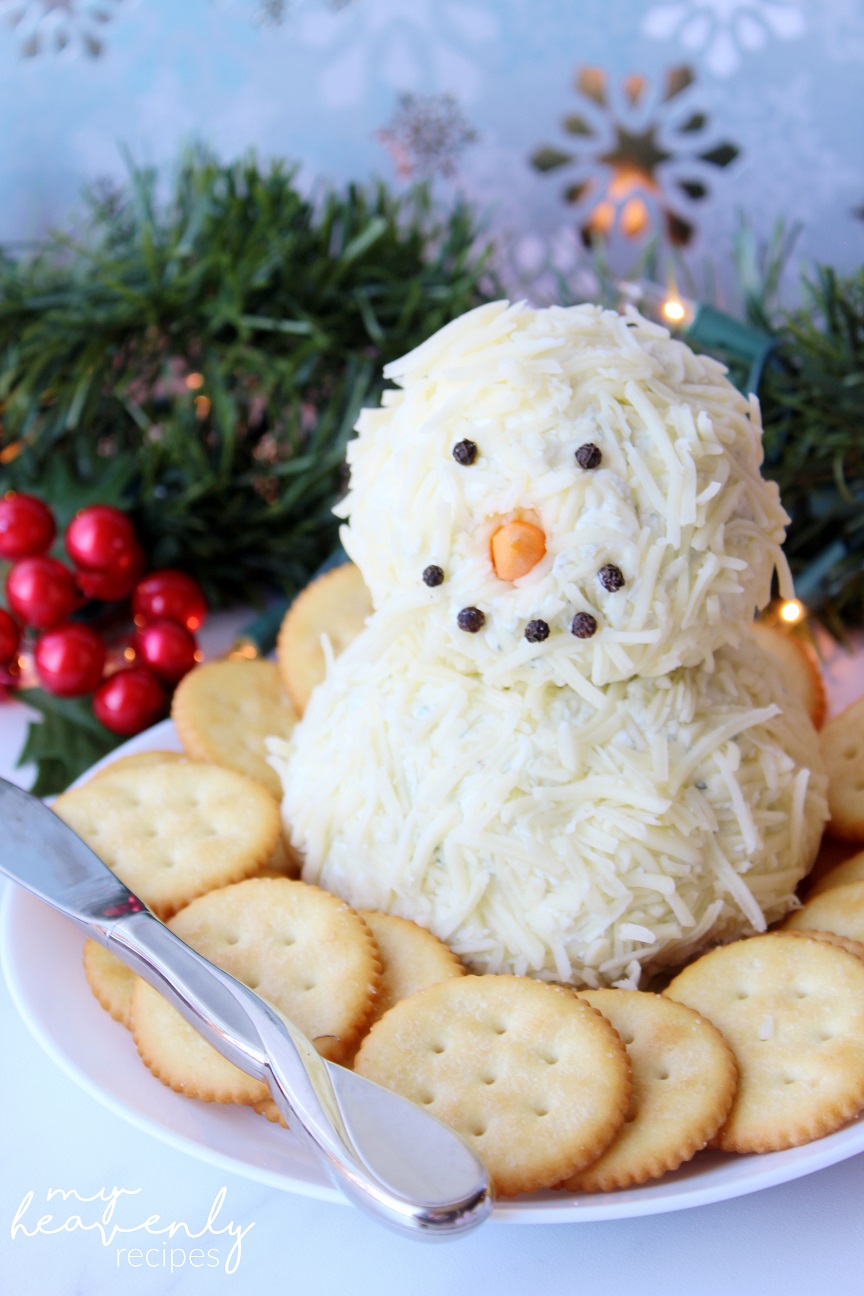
[201, 361]
[813, 412]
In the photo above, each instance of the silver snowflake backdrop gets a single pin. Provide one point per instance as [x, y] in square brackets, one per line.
[639, 156]
[657, 123]
[723, 32]
[59, 25]
[426, 136]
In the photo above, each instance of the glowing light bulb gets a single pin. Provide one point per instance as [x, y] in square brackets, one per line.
[664, 305]
[791, 611]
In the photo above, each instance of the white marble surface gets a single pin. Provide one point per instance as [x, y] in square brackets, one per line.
[803, 1237]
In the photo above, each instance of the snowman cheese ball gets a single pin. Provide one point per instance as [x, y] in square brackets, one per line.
[554, 744]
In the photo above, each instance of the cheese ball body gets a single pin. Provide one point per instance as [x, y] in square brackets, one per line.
[537, 832]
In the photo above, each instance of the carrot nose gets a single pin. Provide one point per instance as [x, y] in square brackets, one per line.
[516, 548]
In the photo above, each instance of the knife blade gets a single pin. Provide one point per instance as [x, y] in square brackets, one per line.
[396, 1161]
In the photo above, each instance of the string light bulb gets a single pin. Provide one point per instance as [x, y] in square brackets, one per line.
[666, 305]
[792, 611]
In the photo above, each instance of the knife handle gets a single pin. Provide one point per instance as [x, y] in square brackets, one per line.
[396, 1161]
[207, 997]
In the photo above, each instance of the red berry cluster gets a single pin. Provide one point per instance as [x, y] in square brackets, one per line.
[69, 656]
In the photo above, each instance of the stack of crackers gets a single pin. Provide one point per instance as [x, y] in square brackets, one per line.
[755, 1046]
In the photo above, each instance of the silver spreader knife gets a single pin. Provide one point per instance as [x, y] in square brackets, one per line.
[388, 1155]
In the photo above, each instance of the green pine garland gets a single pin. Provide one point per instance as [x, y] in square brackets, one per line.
[812, 400]
[201, 361]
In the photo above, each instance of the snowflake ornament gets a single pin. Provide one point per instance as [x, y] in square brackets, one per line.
[58, 25]
[641, 156]
[724, 28]
[426, 136]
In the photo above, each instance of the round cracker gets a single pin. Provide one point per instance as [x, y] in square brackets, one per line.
[139, 760]
[337, 605]
[173, 832]
[299, 947]
[181, 1058]
[284, 862]
[839, 909]
[842, 742]
[267, 1108]
[411, 958]
[296, 946]
[224, 710]
[793, 1012]
[851, 870]
[110, 980]
[684, 1081]
[831, 938]
[533, 1077]
[798, 666]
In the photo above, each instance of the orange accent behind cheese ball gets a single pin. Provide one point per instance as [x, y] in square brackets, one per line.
[517, 547]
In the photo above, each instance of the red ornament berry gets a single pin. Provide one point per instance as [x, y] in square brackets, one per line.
[69, 660]
[101, 538]
[167, 648]
[10, 637]
[112, 585]
[171, 595]
[129, 701]
[26, 526]
[41, 592]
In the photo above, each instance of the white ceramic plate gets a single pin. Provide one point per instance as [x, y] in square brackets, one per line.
[42, 958]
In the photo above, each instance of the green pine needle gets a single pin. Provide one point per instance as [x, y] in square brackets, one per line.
[65, 743]
[813, 412]
[281, 313]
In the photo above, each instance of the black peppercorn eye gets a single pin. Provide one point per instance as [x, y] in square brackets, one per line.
[433, 575]
[611, 577]
[536, 631]
[589, 455]
[471, 619]
[465, 452]
[583, 625]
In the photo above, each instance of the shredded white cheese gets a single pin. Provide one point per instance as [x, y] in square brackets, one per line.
[540, 831]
